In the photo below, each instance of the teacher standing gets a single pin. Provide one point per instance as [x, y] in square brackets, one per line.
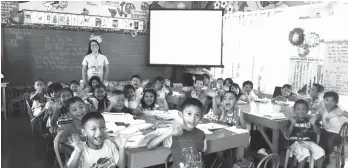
[95, 63]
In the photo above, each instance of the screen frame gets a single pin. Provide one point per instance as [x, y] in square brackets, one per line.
[183, 65]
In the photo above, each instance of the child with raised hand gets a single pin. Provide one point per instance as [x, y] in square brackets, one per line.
[185, 138]
[98, 150]
[241, 94]
[248, 89]
[196, 91]
[162, 89]
[38, 97]
[99, 102]
[332, 117]
[315, 102]
[229, 113]
[302, 132]
[149, 101]
[118, 101]
[285, 95]
[138, 85]
[132, 101]
[61, 116]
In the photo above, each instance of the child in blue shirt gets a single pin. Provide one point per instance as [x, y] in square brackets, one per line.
[185, 141]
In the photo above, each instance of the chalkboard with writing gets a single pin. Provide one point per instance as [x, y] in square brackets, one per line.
[29, 54]
[335, 75]
[7, 7]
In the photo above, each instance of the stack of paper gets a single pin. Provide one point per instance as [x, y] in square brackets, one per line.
[205, 130]
[118, 117]
[264, 100]
[275, 116]
[236, 130]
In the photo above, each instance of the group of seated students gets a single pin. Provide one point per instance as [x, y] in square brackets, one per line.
[77, 111]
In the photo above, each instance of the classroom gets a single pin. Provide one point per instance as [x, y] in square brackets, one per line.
[181, 84]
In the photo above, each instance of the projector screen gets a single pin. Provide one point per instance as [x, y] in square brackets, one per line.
[186, 37]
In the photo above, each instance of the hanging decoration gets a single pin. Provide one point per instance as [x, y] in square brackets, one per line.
[303, 50]
[312, 39]
[55, 4]
[134, 33]
[296, 36]
[217, 5]
[96, 36]
[72, 28]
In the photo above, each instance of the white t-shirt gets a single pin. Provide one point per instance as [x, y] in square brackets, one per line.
[162, 93]
[333, 120]
[95, 66]
[106, 157]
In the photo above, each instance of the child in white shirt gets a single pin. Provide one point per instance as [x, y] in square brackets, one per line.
[162, 89]
[248, 89]
[38, 97]
[98, 150]
[333, 118]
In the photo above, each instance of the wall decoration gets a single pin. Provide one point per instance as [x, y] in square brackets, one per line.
[155, 5]
[303, 50]
[85, 11]
[111, 3]
[96, 36]
[48, 18]
[27, 17]
[296, 36]
[74, 20]
[55, 4]
[312, 39]
[144, 6]
[268, 4]
[92, 3]
[113, 12]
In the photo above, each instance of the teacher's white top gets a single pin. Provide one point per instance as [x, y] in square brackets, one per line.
[95, 66]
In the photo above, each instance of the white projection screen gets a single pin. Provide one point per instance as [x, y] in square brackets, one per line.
[185, 37]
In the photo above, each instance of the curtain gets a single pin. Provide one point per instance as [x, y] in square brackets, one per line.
[256, 47]
[253, 45]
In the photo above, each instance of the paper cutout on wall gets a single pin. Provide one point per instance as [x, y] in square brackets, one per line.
[56, 4]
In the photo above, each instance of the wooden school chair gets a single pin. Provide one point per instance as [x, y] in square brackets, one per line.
[56, 150]
[339, 149]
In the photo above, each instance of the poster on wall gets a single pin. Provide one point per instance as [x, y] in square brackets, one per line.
[74, 20]
[27, 17]
[48, 19]
[55, 18]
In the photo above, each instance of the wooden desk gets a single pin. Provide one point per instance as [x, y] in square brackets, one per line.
[218, 141]
[3, 98]
[254, 113]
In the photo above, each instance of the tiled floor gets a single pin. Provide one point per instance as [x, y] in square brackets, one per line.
[19, 149]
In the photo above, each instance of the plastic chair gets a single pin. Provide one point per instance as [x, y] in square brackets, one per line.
[56, 150]
[287, 156]
[273, 158]
[277, 91]
[339, 150]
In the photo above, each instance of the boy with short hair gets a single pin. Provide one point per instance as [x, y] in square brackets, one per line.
[98, 150]
[286, 94]
[196, 91]
[161, 88]
[138, 85]
[38, 97]
[118, 101]
[315, 102]
[248, 89]
[74, 86]
[185, 141]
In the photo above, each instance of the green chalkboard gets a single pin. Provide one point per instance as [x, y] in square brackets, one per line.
[55, 55]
